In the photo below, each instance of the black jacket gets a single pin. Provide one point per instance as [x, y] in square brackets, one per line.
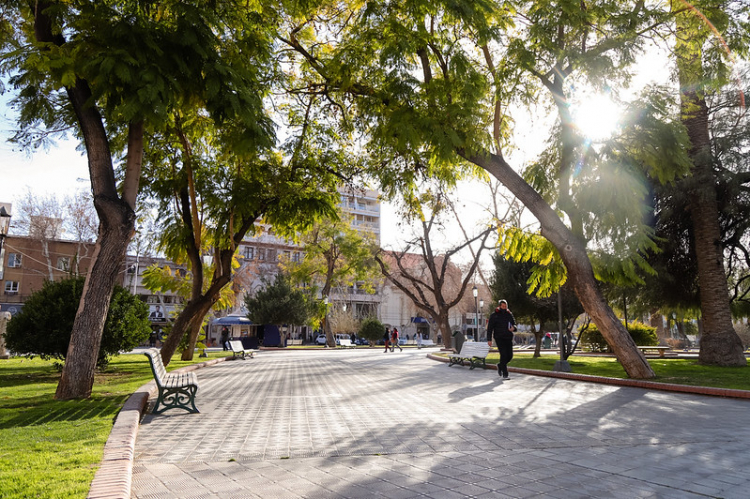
[497, 326]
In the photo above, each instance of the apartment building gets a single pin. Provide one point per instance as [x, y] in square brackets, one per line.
[28, 261]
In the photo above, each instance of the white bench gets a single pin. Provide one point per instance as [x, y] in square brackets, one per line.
[176, 390]
[428, 343]
[662, 350]
[472, 352]
[345, 342]
[238, 350]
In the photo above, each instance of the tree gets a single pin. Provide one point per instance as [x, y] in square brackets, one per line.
[280, 303]
[510, 282]
[411, 77]
[44, 324]
[41, 217]
[720, 344]
[108, 71]
[428, 278]
[371, 329]
[336, 255]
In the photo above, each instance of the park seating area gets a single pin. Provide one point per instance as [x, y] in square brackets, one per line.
[240, 351]
[653, 349]
[175, 390]
[473, 352]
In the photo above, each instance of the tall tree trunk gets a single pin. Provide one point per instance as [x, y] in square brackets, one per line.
[116, 223]
[191, 318]
[657, 321]
[577, 263]
[719, 345]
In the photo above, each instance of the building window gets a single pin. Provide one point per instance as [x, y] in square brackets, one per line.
[14, 260]
[63, 263]
[249, 253]
[261, 254]
[295, 256]
[271, 255]
[11, 287]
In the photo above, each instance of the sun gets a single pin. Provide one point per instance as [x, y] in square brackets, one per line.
[596, 117]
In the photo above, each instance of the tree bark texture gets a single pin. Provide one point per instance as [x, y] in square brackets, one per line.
[577, 263]
[115, 230]
[719, 344]
[116, 225]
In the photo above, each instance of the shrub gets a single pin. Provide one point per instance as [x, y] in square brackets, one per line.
[743, 331]
[371, 329]
[44, 324]
[641, 334]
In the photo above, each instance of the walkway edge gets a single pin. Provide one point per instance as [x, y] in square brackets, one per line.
[651, 385]
[113, 479]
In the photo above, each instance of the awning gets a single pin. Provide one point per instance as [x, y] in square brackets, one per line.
[231, 320]
[419, 319]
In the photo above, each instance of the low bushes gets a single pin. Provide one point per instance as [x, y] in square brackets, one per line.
[44, 324]
[641, 333]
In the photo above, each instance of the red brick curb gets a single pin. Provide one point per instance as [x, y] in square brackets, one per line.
[651, 385]
[113, 480]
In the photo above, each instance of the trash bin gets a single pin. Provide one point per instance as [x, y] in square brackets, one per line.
[458, 340]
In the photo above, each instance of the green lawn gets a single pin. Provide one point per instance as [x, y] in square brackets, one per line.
[678, 371]
[52, 449]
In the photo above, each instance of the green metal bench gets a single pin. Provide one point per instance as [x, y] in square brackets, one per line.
[472, 352]
[176, 390]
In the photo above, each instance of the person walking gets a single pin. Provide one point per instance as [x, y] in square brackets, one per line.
[394, 340]
[501, 326]
[418, 336]
[387, 339]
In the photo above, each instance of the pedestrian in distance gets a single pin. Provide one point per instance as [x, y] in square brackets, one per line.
[501, 326]
[394, 340]
[387, 339]
[418, 336]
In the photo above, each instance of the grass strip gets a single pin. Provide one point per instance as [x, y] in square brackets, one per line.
[52, 448]
[677, 371]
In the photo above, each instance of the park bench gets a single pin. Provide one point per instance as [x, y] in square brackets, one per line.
[238, 350]
[472, 352]
[662, 350]
[428, 343]
[175, 389]
[346, 343]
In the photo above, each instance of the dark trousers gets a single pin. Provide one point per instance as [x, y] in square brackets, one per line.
[505, 347]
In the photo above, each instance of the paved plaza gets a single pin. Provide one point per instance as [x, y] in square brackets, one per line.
[364, 424]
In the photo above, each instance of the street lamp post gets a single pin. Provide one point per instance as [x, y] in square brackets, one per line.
[4, 316]
[325, 319]
[481, 318]
[4, 225]
[475, 292]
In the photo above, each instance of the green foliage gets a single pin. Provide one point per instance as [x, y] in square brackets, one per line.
[547, 273]
[336, 254]
[509, 282]
[280, 303]
[642, 334]
[371, 329]
[44, 325]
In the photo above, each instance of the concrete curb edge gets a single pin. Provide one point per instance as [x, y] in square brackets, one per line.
[651, 385]
[113, 479]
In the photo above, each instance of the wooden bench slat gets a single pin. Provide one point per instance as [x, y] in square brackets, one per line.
[473, 352]
[239, 350]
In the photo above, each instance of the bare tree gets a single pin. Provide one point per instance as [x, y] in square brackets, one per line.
[433, 283]
[41, 218]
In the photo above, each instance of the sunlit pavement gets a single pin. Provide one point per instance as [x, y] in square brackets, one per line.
[362, 423]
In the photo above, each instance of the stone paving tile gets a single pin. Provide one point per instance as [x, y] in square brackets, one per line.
[275, 427]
